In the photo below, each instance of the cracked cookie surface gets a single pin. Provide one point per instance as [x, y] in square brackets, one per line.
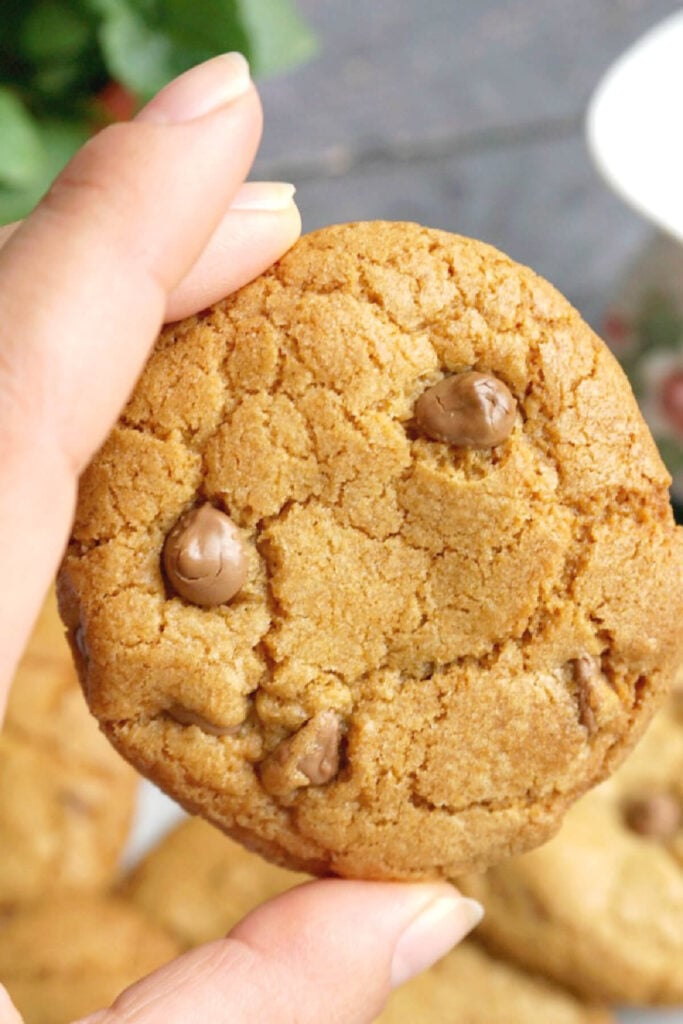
[484, 629]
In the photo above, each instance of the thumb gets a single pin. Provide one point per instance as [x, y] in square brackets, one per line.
[330, 950]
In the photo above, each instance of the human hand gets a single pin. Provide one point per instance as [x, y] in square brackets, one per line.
[151, 221]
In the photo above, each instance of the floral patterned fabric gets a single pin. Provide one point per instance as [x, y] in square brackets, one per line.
[644, 329]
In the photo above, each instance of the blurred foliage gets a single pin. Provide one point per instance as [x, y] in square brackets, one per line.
[69, 66]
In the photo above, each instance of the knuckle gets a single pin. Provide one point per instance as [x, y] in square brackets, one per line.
[97, 174]
[22, 399]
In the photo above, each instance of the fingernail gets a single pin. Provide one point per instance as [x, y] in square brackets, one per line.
[199, 91]
[263, 195]
[430, 935]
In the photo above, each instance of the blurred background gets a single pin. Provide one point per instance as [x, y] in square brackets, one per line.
[466, 116]
[463, 115]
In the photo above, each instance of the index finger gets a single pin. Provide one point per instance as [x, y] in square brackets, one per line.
[83, 289]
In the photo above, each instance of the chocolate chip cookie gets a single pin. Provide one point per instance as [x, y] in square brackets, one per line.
[66, 798]
[377, 570]
[72, 954]
[600, 908]
[470, 986]
[197, 884]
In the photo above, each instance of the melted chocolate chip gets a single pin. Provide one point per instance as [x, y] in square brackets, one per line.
[587, 674]
[204, 558]
[184, 716]
[471, 409]
[308, 758]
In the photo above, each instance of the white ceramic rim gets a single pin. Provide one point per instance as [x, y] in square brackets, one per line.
[634, 125]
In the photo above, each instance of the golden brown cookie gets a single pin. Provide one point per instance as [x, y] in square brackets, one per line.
[470, 986]
[197, 883]
[461, 603]
[66, 797]
[600, 908]
[72, 954]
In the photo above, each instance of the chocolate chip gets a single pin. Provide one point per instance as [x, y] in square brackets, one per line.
[184, 716]
[308, 758]
[472, 408]
[586, 669]
[76, 803]
[79, 640]
[320, 761]
[657, 816]
[587, 674]
[204, 558]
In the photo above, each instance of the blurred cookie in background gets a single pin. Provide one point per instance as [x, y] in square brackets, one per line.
[643, 326]
[71, 954]
[198, 884]
[600, 907]
[470, 986]
[66, 798]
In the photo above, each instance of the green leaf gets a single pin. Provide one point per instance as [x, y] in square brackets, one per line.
[53, 31]
[21, 153]
[145, 45]
[57, 79]
[205, 29]
[11, 21]
[137, 55]
[671, 452]
[660, 325]
[278, 35]
[59, 141]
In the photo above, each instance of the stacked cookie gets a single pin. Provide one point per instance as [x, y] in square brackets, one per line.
[66, 801]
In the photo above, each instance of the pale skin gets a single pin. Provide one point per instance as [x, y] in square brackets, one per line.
[151, 222]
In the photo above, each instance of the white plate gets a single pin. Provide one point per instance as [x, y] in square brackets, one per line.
[635, 125]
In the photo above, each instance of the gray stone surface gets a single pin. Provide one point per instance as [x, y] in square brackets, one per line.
[422, 69]
[467, 115]
[539, 201]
